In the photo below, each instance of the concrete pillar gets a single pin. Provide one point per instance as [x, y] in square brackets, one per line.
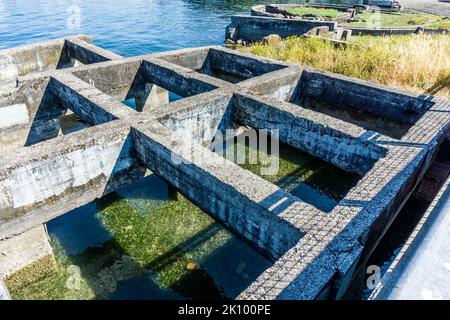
[155, 96]
[22, 250]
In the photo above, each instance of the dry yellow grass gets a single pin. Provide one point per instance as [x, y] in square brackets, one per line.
[419, 63]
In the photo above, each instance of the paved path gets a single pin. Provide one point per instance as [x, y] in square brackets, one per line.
[429, 6]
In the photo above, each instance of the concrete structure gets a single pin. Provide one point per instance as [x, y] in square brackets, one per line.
[275, 19]
[389, 137]
[255, 28]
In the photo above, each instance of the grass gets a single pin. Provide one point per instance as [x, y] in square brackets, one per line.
[323, 12]
[396, 20]
[383, 19]
[419, 63]
[440, 24]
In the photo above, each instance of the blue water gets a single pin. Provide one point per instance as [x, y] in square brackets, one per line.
[126, 27]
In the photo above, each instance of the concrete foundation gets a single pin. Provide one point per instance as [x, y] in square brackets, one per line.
[315, 253]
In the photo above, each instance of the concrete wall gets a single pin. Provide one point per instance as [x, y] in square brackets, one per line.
[29, 108]
[214, 113]
[87, 53]
[245, 67]
[256, 28]
[362, 96]
[4, 294]
[316, 134]
[44, 56]
[52, 178]
[316, 252]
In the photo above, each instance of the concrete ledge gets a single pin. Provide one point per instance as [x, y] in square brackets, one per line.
[218, 186]
[88, 53]
[255, 28]
[89, 103]
[324, 137]
[39, 57]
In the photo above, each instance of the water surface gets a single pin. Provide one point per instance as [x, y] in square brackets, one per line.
[126, 27]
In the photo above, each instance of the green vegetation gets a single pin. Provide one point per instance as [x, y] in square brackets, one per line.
[383, 19]
[420, 63]
[396, 20]
[155, 241]
[323, 12]
[440, 24]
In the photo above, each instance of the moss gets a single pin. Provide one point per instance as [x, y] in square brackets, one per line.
[440, 24]
[34, 272]
[147, 240]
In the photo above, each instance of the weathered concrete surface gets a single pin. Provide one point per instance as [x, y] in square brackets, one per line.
[89, 103]
[87, 53]
[317, 253]
[17, 252]
[251, 29]
[337, 253]
[70, 171]
[39, 57]
[327, 138]
[438, 7]
[39, 120]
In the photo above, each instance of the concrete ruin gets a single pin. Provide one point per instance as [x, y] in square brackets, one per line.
[276, 19]
[388, 137]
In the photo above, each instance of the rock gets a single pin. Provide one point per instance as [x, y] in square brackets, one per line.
[191, 266]
[271, 39]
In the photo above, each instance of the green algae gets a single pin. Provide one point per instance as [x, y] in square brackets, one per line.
[309, 178]
[170, 241]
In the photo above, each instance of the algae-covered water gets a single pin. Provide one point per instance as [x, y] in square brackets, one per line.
[144, 242]
[309, 178]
